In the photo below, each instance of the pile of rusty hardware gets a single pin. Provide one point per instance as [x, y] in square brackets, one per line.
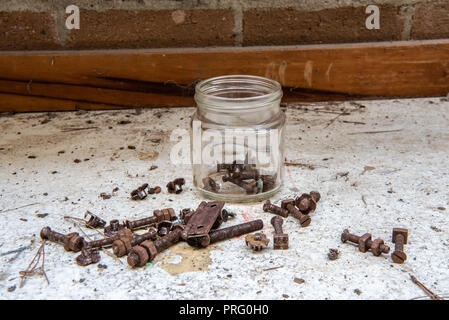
[377, 246]
[244, 175]
[198, 228]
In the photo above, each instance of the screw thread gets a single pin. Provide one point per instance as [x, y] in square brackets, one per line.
[399, 244]
[141, 222]
[150, 235]
[235, 231]
[166, 241]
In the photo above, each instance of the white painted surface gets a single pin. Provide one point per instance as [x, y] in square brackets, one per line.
[408, 187]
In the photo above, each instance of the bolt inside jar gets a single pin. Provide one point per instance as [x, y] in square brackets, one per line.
[237, 138]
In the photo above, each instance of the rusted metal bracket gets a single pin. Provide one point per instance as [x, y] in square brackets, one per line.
[203, 219]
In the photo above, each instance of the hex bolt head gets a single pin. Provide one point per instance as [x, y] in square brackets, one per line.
[364, 242]
[137, 257]
[378, 247]
[306, 203]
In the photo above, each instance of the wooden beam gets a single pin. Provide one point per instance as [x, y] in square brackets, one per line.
[70, 80]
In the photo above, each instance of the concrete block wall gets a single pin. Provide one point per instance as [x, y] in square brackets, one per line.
[113, 24]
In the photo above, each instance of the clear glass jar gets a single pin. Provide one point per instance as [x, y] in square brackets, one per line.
[237, 138]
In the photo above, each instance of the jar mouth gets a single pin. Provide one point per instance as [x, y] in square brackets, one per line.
[237, 92]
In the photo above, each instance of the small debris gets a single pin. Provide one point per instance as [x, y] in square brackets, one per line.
[12, 288]
[436, 229]
[175, 186]
[124, 122]
[23, 219]
[441, 208]
[132, 147]
[140, 193]
[105, 196]
[32, 157]
[41, 215]
[333, 254]
[115, 189]
[94, 221]
[153, 167]
[102, 266]
[156, 140]
[285, 296]
[77, 160]
[45, 194]
[299, 280]
[358, 292]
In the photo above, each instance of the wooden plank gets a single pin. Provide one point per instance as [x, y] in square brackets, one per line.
[69, 80]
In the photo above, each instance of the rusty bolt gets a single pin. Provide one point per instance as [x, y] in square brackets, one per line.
[226, 233]
[289, 205]
[400, 237]
[147, 250]
[364, 243]
[121, 247]
[158, 216]
[280, 239]
[71, 241]
[246, 175]
[306, 203]
[269, 207]
[250, 187]
[123, 233]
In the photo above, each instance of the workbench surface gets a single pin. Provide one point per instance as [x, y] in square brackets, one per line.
[377, 165]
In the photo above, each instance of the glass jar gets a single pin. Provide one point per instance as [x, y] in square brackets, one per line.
[237, 138]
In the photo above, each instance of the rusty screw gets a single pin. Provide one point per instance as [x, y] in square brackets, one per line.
[123, 233]
[289, 205]
[280, 239]
[226, 233]
[71, 241]
[147, 250]
[400, 237]
[365, 243]
[158, 216]
[269, 207]
[122, 246]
